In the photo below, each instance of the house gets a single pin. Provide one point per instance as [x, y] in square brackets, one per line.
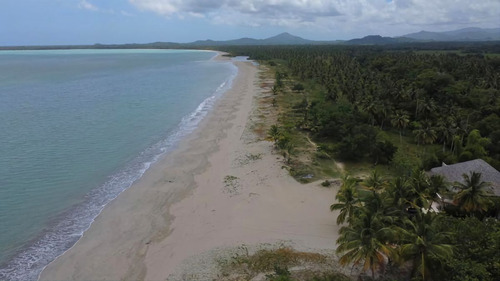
[453, 173]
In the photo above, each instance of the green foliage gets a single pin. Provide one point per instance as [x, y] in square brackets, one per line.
[275, 259]
[431, 161]
[445, 107]
[280, 274]
[274, 133]
[478, 249]
[356, 143]
[381, 228]
[363, 241]
[326, 183]
[475, 146]
[383, 152]
[472, 195]
[403, 165]
[432, 97]
[298, 87]
[278, 80]
[424, 244]
[375, 181]
[347, 198]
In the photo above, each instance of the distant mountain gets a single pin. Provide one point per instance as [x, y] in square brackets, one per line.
[465, 34]
[281, 39]
[471, 34]
[286, 39]
[378, 40]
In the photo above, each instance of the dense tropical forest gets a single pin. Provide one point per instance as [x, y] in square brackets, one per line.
[409, 109]
[438, 97]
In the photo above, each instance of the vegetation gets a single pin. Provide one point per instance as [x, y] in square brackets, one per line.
[441, 106]
[389, 226]
[405, 108]
[472, 194]
[280, 264]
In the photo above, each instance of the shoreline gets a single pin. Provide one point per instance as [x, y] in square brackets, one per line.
[203, 195]
[65, 228]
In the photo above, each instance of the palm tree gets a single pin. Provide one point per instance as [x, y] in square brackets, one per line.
[446, 128]
[425, 135]
[472, 194]
[398, 192]
[375, 181]
[428, 107]
[419, 184]
[370, 107]
[400, 120]
[423, 244]
[436, 185]
[365, 240]
[348, 199]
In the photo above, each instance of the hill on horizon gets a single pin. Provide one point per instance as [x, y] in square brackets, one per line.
[471, 34]
[464, 34]
[284, 38]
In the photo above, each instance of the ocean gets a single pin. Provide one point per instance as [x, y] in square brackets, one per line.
[78, 127]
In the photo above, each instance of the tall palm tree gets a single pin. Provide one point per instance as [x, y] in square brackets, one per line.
[398, 192]
[365, 241]
[400, 120]
[370, 107]
[419, 184]
[375, 181]
[423, 244]
[473, 193]
[347, 198]
[428, 107]
[436, 186]
[425, 135]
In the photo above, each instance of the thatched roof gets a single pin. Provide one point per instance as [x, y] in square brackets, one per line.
[453, 173]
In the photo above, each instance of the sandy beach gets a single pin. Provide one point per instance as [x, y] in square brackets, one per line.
[222, 187]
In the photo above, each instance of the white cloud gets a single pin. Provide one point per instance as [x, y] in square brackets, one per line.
[87, 6]
[125, 13]
[378, 16]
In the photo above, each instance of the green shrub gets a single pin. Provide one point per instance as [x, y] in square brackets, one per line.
[326, 183]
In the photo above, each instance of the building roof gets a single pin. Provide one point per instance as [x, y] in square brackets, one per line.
[453, 173]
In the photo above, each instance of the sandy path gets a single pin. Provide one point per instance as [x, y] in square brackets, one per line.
[228, 198]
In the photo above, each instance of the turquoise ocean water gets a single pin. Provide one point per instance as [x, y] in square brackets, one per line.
[77, 127]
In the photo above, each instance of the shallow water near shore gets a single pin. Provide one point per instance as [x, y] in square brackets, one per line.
[79, 127]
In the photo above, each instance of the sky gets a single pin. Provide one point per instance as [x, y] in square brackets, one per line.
[72, 22]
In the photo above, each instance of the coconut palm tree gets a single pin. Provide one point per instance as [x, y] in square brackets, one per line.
[423, 244]
[436, 186]
[347, 198]
[398, 191]
[375, 181]
[400, 120]
[365, 241]
[473, 194]
[425, 135]
[419, 184]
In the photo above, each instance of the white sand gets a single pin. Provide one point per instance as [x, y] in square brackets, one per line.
[183, 206]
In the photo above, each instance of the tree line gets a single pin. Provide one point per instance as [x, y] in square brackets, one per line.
[450, 99]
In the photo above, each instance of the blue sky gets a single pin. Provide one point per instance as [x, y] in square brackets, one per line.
[47, 22]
